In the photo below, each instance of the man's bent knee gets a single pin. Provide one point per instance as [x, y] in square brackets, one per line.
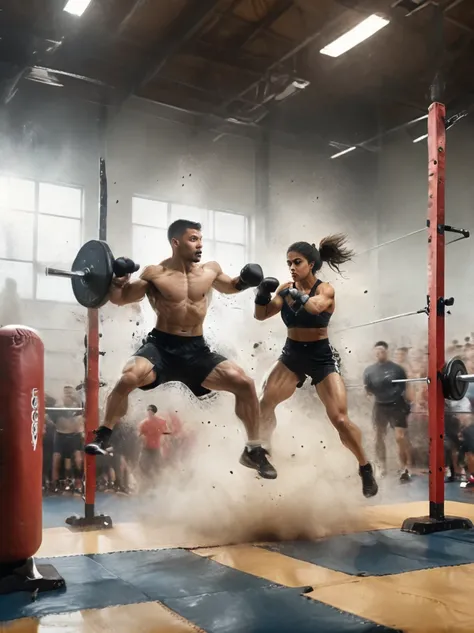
[135, 374]
[127, 382]
[339, 420]
[238, 381]
[400, 434]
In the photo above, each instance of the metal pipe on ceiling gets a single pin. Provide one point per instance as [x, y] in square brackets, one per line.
[288, 55]
[137, 5]
[452, 5]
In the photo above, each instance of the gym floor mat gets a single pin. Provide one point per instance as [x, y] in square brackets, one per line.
[215, 597]
[379, 553]
[269, 610]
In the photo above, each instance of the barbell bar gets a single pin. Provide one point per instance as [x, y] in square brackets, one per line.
[426, 379]
[64, 409]
[383, 320]
[454, 379]
[57, 272]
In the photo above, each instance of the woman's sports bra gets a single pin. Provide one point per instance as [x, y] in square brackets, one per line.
[303, 319]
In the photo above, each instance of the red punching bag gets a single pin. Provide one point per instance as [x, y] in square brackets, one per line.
[21, 442]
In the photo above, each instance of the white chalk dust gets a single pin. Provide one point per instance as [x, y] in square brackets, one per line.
[209, 498]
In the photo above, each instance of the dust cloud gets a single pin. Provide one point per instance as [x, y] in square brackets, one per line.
[208, 498]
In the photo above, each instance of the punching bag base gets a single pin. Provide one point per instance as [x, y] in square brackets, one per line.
[26, 576]
[94, 522]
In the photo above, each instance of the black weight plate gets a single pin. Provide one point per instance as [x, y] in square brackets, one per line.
[93, 290]
[454, 389]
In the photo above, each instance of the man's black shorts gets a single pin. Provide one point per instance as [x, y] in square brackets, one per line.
[393, 413]
[66, 444]
[317, 359]
[185, 359]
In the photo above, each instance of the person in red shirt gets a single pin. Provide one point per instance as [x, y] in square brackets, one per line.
[151, 431]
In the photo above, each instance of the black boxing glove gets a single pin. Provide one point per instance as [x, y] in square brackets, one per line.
[250, 276]
[299, 298]
[264, 291]
[124, 266]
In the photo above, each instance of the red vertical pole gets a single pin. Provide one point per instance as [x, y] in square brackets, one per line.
[436, 324]
[92, 405]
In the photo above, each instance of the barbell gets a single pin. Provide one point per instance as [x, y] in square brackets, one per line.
[454, 379]
[92, 272]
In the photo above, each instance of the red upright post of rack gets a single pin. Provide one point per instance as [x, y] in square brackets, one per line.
[436, 521]
[92, 407]
[436, 318]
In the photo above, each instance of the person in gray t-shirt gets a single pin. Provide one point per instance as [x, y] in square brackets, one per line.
[390, 407]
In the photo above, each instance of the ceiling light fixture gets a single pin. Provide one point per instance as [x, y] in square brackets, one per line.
[77, 7]
[344, 151]
[420, 138]
[355, 36]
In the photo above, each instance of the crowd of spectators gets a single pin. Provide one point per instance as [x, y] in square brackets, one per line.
[140, 449]
[459, 415]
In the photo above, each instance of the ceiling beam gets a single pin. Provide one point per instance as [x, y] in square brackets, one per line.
[290, 54]
[189, 22]
[128, 17]
[255, 28]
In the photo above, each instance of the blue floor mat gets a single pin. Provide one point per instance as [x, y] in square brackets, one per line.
[88, 586]
[465, 536]
[269, 610]
[176, 573]
[380, 553]
[217, 598]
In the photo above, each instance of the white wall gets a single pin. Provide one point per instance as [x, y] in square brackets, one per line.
[402, 191]
[176, 159]
[151, 156]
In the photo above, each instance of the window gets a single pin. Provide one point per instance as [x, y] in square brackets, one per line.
[40, 225]
[149, 221]
[225, 234]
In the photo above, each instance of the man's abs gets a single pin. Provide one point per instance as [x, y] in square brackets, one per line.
[180, 303]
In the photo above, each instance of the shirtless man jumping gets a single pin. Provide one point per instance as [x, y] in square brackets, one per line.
[175, 349]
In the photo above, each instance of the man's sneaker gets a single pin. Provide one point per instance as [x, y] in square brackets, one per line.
[256, 458]
[405, 476]
[101, 442]
[469, 483]
[122, 490]
[369, 485]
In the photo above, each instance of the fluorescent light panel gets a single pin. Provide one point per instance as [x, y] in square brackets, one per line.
[77, 7]
[355, 36]
[344, 151]
[420, 138]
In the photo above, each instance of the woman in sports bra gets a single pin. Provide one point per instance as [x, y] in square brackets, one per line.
[306, 306]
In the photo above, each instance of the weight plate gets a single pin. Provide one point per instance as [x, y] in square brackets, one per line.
[92, 291]
[454, 389]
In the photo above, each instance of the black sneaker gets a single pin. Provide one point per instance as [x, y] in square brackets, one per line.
[405, 476]
[101, 442]
[257, 458]
[369, 485]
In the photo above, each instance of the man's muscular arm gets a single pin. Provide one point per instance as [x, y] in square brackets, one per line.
[250, 276]
[223, 283]
[124, 291]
